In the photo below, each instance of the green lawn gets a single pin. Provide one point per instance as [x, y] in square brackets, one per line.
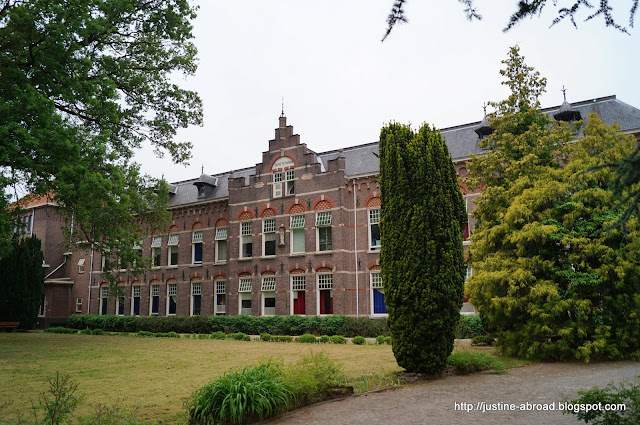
[156, 375]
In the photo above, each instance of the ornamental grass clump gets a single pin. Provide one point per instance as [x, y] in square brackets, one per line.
[253, 393]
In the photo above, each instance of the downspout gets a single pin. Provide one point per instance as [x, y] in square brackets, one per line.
[90, 279]
[355, 249]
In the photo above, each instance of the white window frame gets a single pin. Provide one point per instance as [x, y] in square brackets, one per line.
[197, 238]
[297, 287]
[81, 265]
[268, 230]
[136, 292]
[375, 282]
[154, 291]
[118, 301]
[172, 293]
[290, 182]
[246, 234]
[323, 286]
[267, 289]
[221, 239]
[245, 286]
[156, 251]
[277, 184]
[78, 305]
[322, 222]
[296, 226]
[220, 289]
[137, 246]
[104, 293]
[373, 217]
[196, 289]
[172, 245]
[469, 274]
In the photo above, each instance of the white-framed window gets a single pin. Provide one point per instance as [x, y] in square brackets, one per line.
[296, 230]
[81, 265]
[156, 251]
[172, 250]
[107, 264]
[135, 300]
[269, 236]
[277, 184]
[325, 293]
[290, 182]
[154, 299]
[221, 245]
[469, 273]
[244, 292]
[246, 239]
[137, 247]
[196, 247]
[324, 238]
[221, 296]
[78, 305]
[120, 301]
[374, 229]
[104, 299]
[172, 299]
[378, 305]
[268, 290]
[196, 298]
[298, 290]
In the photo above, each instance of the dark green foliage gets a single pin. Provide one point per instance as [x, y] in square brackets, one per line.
[625, 393]
[324, 339]
[253, 393]
[21, 282]
[423, 270]
[482, 340]
[358, 340]
[145, 334]
[470, 325]
[281, 338]
[218, 335]
[468, 362]
[265, 337]
[337, 339]
[60, 330]
[239, 336]
[306, 339]
[314, 377]
[251, 325]
[383, 340]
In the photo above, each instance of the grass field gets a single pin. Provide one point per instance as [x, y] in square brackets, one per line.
[154, 375]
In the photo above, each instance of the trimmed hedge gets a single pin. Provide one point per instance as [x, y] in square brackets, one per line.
[468, 327]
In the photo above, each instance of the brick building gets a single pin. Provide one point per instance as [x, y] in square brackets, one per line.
[295, 234]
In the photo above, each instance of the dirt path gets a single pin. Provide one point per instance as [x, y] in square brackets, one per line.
[434, 402]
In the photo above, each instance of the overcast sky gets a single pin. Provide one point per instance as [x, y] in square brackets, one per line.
[341, 84]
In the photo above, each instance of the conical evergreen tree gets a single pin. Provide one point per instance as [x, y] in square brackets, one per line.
[422, 257]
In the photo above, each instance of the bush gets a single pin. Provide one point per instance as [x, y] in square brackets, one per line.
[358, 340]
[383, 340]
[218, 335]
[60, 330]
[203, 336]
[482, 340]
[166, 335]
[624, 393]
[468, 362]
[314, 376]
[239, 336]
[145, 334]
[337, 339]
[324, 339]
[306, 339]
[239, 396]
[281, 338]
[470, 325]
[265, 337]
[97, 331]
[363, 326]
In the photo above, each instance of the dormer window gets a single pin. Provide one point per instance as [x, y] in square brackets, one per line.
[283, 177]
[205, 185]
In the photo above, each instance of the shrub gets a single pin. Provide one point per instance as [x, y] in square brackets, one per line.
[167, 335]
[86, 331]
[469, 325]
[337, 339]
[383, 340]
[314, 376]
[145, 334]
[218, 335]
[97, 331]
[468, 362]
[265, 337]
[306, 339]
[358, 340]
[239, 336]
[281, 338]
[363, 326]
[203, 336]
[624, 393]
[482, 340]
[324, 339]
[60, 330]
[239, 396]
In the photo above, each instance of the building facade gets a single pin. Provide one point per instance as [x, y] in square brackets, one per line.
[298, 233]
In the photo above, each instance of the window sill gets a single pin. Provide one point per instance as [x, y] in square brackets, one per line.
[267, 257]
[155, 267]
[324, 252]
[172, 266]
[466, 243]
[219, 263]
[297, 254]
[245, 258]
[195, 265]
[374, 251]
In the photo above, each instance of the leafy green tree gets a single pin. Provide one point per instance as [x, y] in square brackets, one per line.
[547, 279]
[22, 282]
[529, 9]
[83, 83]
[422, 259]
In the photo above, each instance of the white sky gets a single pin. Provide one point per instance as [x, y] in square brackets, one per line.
[341, 84]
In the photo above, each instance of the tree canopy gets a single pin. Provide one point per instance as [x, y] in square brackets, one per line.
[83, 84]
[421, 258]
[548, 279]
[529, 9]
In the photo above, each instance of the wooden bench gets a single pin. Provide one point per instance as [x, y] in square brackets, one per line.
[9, 325]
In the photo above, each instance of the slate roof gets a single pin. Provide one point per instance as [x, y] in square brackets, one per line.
[462, 141]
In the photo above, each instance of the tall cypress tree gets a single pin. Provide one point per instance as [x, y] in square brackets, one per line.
[22, 282]
[422, 258]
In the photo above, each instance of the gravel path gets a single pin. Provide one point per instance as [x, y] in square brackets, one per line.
[434, 402]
